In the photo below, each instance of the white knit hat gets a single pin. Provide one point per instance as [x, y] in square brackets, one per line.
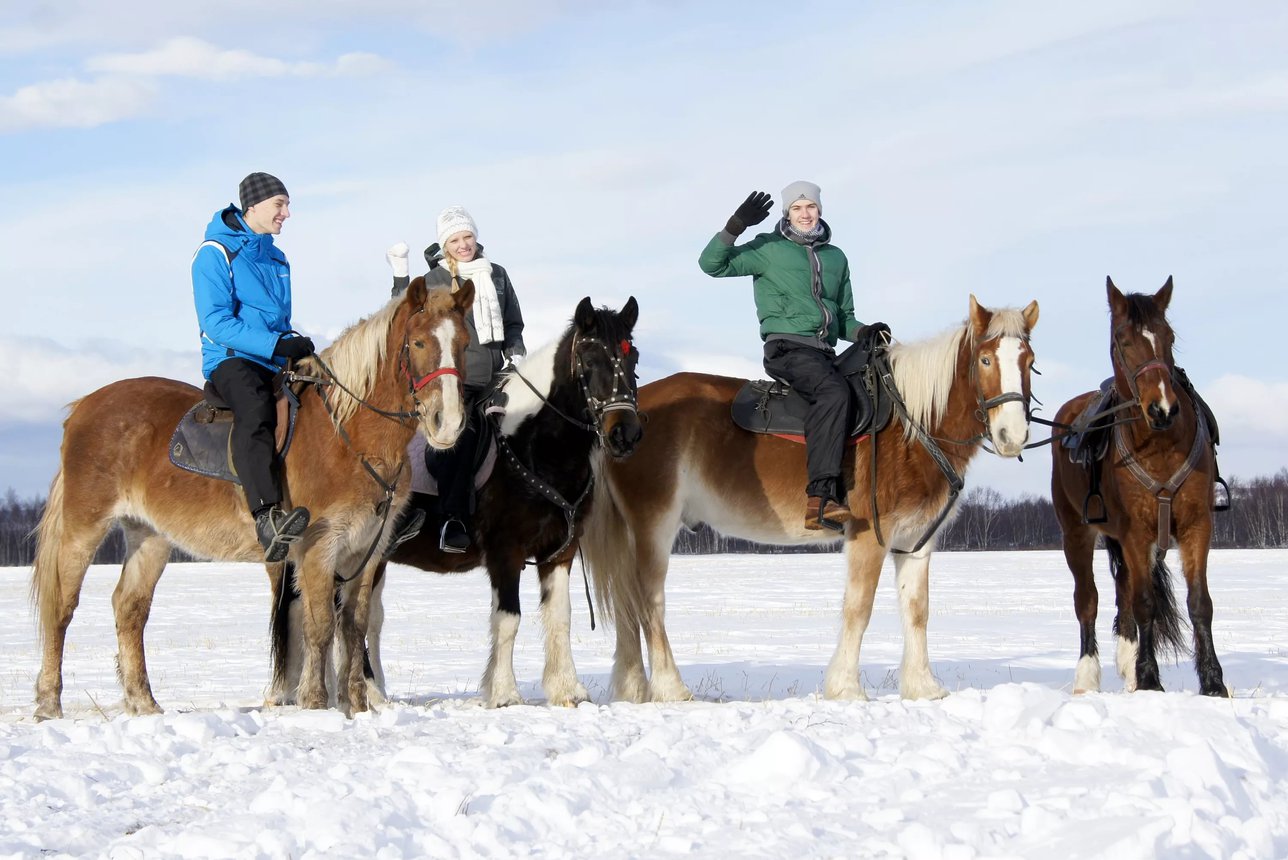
[452, 220]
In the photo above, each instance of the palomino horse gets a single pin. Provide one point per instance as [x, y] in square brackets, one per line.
[565, 401]
[1157, 482]
[386, 376]
[695, 465]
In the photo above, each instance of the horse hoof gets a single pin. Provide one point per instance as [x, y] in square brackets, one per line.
[143, 710]
[48, 712]
[847, 694]
[505, 701]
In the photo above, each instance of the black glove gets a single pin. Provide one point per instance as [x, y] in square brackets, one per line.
[293, 347]
[752, 211]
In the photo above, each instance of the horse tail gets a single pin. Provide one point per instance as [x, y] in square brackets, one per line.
[280, 624]
[608, 545]
[46, 582]
[1169, 627]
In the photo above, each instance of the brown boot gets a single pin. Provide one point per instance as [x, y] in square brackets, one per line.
[823, 513]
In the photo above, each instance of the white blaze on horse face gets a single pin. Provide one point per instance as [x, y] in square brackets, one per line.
[448, 396]
[1008, 424]
[521, 401]
[1164, 402]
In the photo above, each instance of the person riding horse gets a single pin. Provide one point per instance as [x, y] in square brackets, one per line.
[496, 335]
[801, 283]
[241, 284]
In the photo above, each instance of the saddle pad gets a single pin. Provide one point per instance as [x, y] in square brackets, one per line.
[201, 441]
[423, 482]
[762, 406]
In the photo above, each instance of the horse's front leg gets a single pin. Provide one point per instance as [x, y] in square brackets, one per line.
[1139, 552]
[912, 577]
[146, 555]
[560, 677]
[377, 693]
[864, 557]
[316, 582]
[1194, 545]
[354, 611]
[499, 687]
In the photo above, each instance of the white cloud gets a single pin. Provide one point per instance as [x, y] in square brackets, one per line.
[189, 57]
[42, 377]
[1248, 409]
[69, 102]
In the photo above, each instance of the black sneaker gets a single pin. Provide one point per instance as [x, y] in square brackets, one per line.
[453, 537]
[278, 529]
[408, 525]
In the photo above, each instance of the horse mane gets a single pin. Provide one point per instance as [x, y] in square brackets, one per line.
[924, 371]
[1142, 311]
[356, 355]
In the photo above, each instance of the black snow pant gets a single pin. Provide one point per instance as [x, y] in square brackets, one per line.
[453, 469]
[247, 388]
[809, 371]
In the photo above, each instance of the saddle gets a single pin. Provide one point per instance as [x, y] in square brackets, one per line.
[772, 407]
[1088, 446]
[483, 460]
[202, 442]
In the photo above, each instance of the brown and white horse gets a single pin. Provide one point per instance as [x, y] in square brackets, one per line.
[115, 469]
[694, 465]
[1157, 482]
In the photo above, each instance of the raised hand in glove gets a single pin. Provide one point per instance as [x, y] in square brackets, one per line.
[293, 347]
[752, 211]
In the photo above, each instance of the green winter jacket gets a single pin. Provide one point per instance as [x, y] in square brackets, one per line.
[783, 286]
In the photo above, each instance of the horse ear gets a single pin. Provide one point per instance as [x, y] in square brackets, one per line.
[416, 292]
[1163, 297]
[630, 313]
[464, 296]
[584, 316]
[1030, 314]
[1117, 301]
[980, 317]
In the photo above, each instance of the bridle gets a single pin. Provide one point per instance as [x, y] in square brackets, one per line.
[1154, 363]
[623, 397]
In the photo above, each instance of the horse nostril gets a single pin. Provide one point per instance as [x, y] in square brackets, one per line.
[1005, 436]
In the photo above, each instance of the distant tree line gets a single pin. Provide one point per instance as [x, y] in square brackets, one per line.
[985, 520]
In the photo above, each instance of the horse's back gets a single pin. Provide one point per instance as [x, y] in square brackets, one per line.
[689, 386]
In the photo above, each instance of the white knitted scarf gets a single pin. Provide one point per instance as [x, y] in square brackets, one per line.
[487, 308]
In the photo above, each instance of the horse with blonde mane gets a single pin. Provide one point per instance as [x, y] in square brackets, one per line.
[385, 378]
[694, 465]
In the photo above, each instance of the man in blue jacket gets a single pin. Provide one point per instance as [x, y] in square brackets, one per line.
[241, 284]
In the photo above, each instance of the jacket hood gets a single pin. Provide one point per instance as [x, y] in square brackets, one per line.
[228, 228]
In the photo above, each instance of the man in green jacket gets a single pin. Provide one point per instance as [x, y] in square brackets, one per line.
[801, 284]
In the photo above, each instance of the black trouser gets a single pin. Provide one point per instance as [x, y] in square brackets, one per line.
[809, 372]
[453, 469]
[247, 388]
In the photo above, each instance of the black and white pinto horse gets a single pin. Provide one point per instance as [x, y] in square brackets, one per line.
[556, 409]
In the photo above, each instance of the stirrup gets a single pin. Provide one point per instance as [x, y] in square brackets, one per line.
[444, 546]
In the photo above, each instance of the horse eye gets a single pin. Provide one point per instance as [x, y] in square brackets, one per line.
[985, 361]
[419, 344]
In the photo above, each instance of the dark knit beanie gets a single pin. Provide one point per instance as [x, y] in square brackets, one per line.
[258, 187]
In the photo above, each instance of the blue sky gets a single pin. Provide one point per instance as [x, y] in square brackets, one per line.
[1009, 149]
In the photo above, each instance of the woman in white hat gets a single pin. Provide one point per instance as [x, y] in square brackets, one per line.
[495, 325]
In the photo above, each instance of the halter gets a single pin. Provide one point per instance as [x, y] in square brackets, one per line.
[1151, 364]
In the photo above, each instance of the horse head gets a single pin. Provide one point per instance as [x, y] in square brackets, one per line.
[1001, 362]
[1141, 349]
[603, 361]
[429, 329]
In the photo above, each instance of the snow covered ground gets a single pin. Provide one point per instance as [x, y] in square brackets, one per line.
[1009, 765]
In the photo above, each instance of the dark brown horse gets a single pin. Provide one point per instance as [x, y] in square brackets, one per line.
[566, 403]
[695, 465]
[115, 469]
[1156, 482]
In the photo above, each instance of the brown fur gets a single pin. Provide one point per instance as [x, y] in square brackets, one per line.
[695, 465]
[115, 469]
[1146, 614]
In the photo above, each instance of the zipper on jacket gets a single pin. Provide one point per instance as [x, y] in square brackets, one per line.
[816, 288]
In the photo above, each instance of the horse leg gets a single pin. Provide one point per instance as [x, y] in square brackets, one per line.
[353, 612]
[499, 687]
[864, 557]
[64, 551]
[560, 677]
[665, 683]
[1079, 554]
[1138, 554]
[629, 682]
[315, 581]
[912, 575]
[1125, 628]
[146, 555]
[1194, 545]
[376, 690]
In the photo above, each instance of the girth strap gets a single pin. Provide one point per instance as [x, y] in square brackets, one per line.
[548, 492]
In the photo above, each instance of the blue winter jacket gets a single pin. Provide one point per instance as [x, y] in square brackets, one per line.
[242, 313]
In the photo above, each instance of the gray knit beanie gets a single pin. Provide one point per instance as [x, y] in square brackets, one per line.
[802, 190]
[258, 187]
